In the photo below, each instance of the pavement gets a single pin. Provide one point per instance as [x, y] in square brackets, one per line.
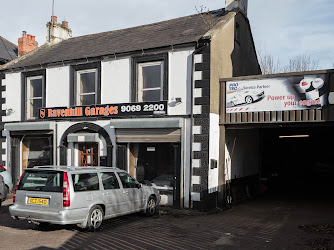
[269, 222]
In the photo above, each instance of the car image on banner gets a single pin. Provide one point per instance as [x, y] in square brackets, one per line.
[246, 97]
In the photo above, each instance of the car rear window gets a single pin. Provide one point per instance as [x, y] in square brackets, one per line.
[45, 181]
[85, 182]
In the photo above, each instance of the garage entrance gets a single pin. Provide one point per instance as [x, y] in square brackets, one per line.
[297, 159]
[289, 161]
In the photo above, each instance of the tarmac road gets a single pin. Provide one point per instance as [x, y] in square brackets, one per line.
[277, 222]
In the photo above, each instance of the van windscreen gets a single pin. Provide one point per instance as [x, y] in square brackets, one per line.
[44, 181]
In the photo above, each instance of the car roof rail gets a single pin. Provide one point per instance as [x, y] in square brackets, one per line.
[74, 167]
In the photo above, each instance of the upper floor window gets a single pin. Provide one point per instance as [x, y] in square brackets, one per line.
[85, 84]
[86, 87]
[150, 81]
[150, 77]
[33, 94]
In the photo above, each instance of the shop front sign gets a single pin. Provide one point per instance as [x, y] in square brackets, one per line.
[277, 94]
[105, 110]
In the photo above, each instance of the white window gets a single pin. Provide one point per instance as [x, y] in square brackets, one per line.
[34, 96]
[150, 81]
[86, 87]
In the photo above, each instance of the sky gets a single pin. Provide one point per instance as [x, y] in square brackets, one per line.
[283, 29]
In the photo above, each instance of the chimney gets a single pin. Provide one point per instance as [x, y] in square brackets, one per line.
[26, 43]
[242, 5]
[56, 32]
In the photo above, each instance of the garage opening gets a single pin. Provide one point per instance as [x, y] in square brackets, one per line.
[297, 160]
[291, 162]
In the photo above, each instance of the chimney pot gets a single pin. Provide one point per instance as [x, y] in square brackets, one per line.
[29, 36]
[33, 38]
[54, 19]
[65, 23]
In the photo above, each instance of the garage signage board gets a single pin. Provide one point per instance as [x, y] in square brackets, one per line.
[105, 110]
[277, 94]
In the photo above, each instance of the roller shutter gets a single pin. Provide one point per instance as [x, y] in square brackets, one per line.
[148, 135]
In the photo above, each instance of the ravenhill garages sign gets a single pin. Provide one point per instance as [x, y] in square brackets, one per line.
[107, 110]
[277, 94]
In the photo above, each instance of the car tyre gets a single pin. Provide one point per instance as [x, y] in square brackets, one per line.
[43, 224]
[248, 99]
[95, 218]
[151, 207]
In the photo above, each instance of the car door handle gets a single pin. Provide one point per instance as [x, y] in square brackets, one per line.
[125, 192]
[106, 194]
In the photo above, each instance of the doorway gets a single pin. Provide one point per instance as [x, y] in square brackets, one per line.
[88, 154]
[158, 164]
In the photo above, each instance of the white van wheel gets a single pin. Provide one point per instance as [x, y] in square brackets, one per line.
[95, 218]
[151, 206]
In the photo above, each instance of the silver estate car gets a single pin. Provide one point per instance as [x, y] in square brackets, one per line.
[80, 195]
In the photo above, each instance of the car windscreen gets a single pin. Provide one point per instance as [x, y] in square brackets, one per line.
[44, 181]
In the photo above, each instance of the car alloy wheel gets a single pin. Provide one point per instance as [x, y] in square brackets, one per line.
[151, 206]
[95, 218]
[249, 99]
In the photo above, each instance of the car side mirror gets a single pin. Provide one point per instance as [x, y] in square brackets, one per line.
[139, 185]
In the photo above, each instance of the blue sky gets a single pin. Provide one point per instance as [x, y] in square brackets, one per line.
[281, 28]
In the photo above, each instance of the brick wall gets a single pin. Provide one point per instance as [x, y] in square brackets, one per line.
[26, 43]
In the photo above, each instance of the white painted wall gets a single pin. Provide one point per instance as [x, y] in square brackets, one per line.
[58, 87]
[13, 97]
[179, 81]
[116, 81]
[213, 152]
[242, 153]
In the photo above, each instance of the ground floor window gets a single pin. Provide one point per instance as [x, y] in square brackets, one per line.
[156, 164]
[36, 151]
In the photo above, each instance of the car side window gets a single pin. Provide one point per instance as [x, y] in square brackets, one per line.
[109, 181]
[127, 180]
[85, 182]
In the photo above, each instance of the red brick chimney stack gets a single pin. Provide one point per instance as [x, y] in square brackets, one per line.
[26, 44]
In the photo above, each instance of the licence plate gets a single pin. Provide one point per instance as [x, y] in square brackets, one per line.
[38, 201]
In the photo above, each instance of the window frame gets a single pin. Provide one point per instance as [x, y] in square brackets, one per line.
[78, 94]
[149, 59]
[24, 93]
[84, 68]
[140, 82]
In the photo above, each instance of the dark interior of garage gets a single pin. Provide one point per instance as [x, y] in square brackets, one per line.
[297, 160]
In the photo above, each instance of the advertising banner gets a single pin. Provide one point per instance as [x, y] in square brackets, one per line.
[277, 94]
[105, 110]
